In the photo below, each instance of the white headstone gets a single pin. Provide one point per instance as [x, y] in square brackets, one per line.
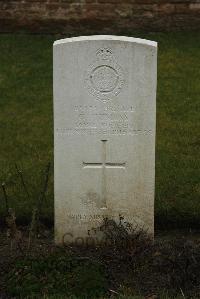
[104, 121]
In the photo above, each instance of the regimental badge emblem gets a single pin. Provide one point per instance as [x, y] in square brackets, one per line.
[104, 77]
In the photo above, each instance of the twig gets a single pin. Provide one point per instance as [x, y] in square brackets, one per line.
[182, 293]
[5, 196]
[22, 180]
[33, 226]
[44, 189]
[13, 233]
[112, 291]
[35, 219]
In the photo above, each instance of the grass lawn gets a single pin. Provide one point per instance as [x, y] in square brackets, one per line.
[26, 124]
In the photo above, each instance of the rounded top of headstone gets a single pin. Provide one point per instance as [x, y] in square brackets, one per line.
[107, 38]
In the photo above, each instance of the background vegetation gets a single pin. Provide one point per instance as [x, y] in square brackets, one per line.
[126, 265]
[26, 125]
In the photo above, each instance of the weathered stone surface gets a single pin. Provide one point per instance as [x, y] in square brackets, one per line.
[104, 120]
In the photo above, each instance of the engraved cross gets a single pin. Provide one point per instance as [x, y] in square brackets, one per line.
[103, 166]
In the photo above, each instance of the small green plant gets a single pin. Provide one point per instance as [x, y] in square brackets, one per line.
[57, 274]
